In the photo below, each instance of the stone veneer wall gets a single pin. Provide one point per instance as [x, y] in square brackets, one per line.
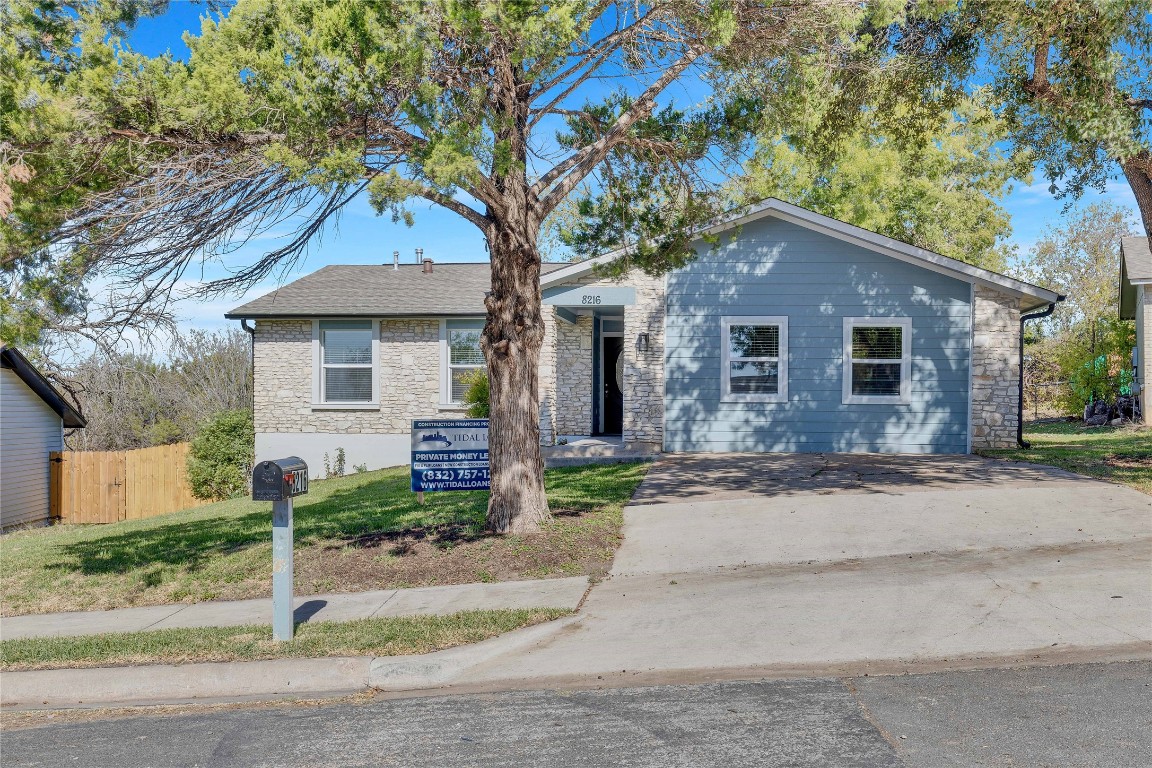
[995, 368]
[409, 379]
[409, 372]
[644, 371]
[410, 375]
[547, 391]
[282, 365]
[574, 385]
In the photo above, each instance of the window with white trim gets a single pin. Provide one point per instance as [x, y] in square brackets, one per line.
[755, 359]
[346, 362]
[463, 356]
[877, 360]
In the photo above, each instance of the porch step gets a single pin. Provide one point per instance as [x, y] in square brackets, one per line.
[594, 451]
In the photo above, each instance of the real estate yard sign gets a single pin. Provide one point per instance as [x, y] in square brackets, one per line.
[450, 455]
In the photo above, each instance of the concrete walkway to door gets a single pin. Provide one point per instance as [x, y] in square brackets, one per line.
[745, 565]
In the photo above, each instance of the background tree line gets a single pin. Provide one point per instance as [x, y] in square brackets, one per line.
[133, 400]
[1082, 353]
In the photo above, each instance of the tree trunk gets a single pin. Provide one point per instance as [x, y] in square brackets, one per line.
[1138, 172]
[513, 335]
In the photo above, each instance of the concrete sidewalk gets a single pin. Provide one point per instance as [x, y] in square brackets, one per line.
[541, 593]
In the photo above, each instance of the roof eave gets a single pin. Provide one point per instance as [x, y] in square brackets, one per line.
[323, 315]
[31, 376]
[849, 233]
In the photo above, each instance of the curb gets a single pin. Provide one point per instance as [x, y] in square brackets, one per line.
[435, 670]
[168, 683]
[157, 683]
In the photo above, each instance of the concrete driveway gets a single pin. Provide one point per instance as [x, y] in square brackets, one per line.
[768, 564]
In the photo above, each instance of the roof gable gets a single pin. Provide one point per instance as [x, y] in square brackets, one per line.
[13, 359]
[1033, 295]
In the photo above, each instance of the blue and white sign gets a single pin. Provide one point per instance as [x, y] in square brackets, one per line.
[450, 455]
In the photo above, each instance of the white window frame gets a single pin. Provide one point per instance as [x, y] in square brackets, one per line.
[905, 396]
[318, 403]
[726, 394]
[445, 363]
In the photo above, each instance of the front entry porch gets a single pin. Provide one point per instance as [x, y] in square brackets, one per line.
[590, 360]
[601, 369]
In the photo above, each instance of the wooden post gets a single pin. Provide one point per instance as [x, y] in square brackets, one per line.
[55, 459]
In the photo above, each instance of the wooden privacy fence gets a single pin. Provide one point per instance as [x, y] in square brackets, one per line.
[109, 486]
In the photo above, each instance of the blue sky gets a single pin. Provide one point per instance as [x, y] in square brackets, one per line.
[364, 238]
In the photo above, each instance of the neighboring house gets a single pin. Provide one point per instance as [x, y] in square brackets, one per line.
[797, 333]
[33, 416]
[1136, 304]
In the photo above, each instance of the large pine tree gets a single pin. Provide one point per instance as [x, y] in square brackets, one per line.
[497, 111]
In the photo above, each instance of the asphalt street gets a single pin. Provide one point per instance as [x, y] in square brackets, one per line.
[1097, 715]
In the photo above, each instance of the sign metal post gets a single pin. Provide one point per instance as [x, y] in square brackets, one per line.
[282, 625]
[278, 482]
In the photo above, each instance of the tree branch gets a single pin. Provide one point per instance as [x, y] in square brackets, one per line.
[569, 172]
[457, 207]
[1038, 84]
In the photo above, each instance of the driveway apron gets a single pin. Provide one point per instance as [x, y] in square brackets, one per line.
[807, 562]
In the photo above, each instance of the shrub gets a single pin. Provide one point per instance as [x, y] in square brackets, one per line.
[1095, 360]
[336, 469]
[476, 398]
[221, 456]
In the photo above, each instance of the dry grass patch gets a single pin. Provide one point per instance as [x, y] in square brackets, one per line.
[395, 636]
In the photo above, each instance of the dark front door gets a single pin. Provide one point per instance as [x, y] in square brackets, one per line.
[610, 373]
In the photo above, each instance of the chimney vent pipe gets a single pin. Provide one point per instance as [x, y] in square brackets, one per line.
[419, 255]
[395, 259]
[427, 266]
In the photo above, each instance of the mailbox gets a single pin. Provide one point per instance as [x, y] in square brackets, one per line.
[279, 479]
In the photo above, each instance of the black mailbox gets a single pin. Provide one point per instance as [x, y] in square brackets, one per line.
[279, 479]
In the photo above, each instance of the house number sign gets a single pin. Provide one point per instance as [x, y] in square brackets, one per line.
[591, 296]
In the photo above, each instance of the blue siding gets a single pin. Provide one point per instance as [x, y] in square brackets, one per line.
[774, 267]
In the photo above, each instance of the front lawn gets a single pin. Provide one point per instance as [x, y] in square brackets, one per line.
[393, 636]
[355, 533]
[1117, 454]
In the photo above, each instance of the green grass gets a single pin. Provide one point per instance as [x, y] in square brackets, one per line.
[366, 637]
[360, 532]
[1117, 454]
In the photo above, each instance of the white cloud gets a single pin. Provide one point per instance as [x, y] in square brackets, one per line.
[1038, 192]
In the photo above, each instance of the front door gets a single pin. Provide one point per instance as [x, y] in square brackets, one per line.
[611, 374]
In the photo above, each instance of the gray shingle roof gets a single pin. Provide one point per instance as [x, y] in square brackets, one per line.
[379, 291]
[1137, 257]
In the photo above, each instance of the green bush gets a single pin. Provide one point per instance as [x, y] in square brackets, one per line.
[476, 398]
[1095, 359]
[221, 456]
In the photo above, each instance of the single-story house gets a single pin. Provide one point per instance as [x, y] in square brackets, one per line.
[797, 332]
[1136, 304]
[33, 416]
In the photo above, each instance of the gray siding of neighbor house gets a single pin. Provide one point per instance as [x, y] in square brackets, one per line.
[29, 430]
[775, 267]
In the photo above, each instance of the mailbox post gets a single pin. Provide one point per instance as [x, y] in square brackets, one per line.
[279, 481]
